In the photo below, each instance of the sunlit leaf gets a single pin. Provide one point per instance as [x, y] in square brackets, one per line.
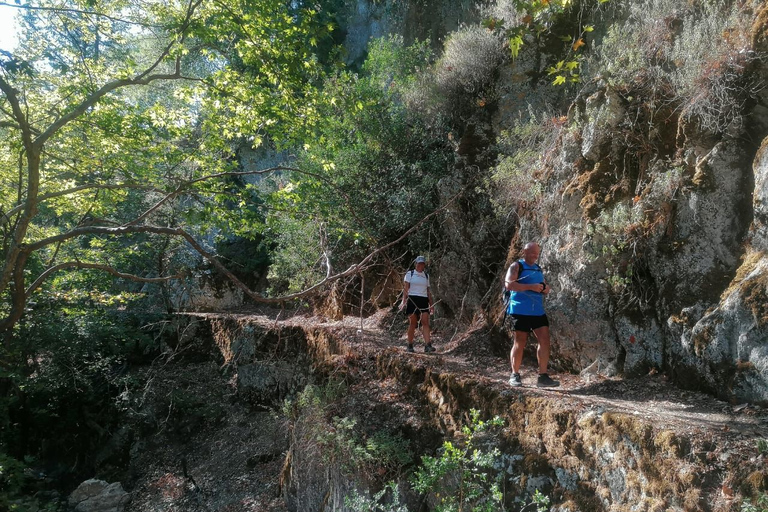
[515, 43]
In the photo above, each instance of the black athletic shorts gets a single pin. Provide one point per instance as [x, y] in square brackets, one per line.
[417, 304]
[528, 323]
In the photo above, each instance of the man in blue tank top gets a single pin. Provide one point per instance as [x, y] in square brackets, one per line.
[525, 281]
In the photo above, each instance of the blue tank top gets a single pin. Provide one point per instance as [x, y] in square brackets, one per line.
[527, 302]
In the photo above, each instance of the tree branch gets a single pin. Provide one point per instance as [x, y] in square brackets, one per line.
[5, 218]
[79, 264]
[77, 11]
[11, 93]
[143, 78]
[211, 258]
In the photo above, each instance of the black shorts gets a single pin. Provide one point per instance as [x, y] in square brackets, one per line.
[528, 323]
[417, 304]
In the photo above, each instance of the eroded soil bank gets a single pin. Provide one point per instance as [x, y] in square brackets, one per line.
[593, 444]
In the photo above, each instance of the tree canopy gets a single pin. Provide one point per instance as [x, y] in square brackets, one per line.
[120, 121]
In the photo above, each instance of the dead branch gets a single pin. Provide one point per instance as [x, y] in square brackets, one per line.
[106, 268]
[211, 258]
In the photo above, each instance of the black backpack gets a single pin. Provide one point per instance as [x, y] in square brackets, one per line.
[414, 270]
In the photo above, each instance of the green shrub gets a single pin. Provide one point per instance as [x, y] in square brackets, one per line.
[470, 59]
[759, 504]
[16, 488]
[62, 373]
[650, 45]
[386, 500]
[523, 150]
[463, 476]
[339, 439]
[370, 174]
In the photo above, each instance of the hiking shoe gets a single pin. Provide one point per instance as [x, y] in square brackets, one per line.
[410, 348]
[515, 381]
[546, 382]
[428, 349]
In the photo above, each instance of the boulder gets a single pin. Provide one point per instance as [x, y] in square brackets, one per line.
[99, 496]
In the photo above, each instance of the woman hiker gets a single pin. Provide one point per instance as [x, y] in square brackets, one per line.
[417, 303]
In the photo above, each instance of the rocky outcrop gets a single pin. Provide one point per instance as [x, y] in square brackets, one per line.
[728, 346]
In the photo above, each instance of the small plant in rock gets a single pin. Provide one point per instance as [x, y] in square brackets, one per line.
[386, 500]
[463, 478]
[380, 452]
[340, 440]
[762, 446]
[759, 504]
[539, 502]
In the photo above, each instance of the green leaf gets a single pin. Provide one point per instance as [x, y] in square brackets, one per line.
[559, 80]
[515, 43]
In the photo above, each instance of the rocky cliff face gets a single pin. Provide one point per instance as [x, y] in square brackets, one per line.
[414, 19]
[656, 253]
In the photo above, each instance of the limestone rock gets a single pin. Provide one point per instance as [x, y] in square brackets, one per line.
[99, 496]
[267, 383]
[759, 231]
[604, 110]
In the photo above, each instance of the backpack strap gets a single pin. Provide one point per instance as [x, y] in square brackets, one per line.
[410, 272]
[524, 266]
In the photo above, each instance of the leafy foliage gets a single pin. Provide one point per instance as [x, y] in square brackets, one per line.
[132, 116]
[524, 21]
[370, 175]
[386, 500]
[60, 387]
[462, 478]
[15, 484]
[759, 504]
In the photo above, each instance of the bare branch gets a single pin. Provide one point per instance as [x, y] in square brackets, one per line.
[106, 268]
[18, 114]
[123, 230]
[28, 7]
